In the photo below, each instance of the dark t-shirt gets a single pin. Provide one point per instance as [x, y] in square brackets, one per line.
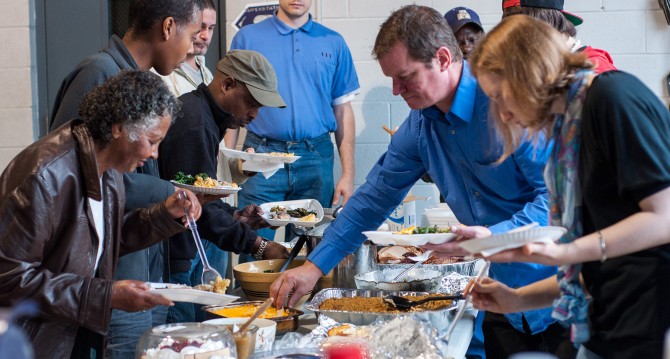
[625, 158]
[192, 145]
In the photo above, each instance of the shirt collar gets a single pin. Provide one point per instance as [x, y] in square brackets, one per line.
[464, 101]
[285, 29]
[221, 117]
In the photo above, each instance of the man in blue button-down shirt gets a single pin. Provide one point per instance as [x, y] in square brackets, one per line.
[448, 135]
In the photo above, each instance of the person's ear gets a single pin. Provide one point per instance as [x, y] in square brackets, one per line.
[443, 56]
[117, 130]
[168, 28]
[228, 84]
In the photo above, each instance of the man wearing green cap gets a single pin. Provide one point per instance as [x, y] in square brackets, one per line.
[243, 83]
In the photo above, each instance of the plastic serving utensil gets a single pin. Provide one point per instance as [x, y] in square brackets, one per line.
[419, 260]
[256, 314]
[294, 252]
[209, 274]
[466, 293]
[423, 257]
[405, 304]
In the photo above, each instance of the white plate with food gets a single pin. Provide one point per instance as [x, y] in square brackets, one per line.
[513, 239]
[218, 190]
[182, 293]
[276, 157]
[408, 237]
[302, 212]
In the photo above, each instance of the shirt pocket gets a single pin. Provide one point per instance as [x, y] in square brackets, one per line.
[324, 73]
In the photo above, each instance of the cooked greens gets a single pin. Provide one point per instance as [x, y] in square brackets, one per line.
[181, 177]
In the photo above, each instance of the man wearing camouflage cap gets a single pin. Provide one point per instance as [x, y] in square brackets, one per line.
[243, 83]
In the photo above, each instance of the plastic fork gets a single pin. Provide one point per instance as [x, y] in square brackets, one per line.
[209, 274]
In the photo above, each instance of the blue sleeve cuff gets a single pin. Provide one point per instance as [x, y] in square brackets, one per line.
[326, 257]
[502, 227]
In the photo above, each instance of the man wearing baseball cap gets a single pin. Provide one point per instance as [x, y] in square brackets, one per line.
[551, 12]
[243, 83]
[467, 28]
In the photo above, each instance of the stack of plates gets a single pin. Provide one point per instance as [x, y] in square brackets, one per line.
[440, 215]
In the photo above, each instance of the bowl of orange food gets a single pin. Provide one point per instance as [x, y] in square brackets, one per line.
[287, 319]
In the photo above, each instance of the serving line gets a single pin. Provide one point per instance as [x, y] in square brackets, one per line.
[458, 342]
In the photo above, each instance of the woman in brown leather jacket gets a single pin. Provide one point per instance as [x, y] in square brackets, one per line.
[62, 224]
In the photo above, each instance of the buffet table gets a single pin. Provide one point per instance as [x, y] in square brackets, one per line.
[458, 345]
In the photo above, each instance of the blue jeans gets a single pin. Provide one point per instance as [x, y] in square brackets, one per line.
[476, 349]
[311, 176]
[183, 312]
[125, 329]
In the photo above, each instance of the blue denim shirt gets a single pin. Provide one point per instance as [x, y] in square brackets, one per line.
[458, 149]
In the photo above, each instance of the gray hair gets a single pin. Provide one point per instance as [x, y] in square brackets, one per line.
[135, 99]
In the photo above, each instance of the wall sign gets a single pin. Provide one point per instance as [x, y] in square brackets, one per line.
[254, 13]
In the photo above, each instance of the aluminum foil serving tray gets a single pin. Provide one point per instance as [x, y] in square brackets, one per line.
[439, 318]
[465, 267]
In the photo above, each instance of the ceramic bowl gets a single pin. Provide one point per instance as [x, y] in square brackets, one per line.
[256, 277]
[265, 336]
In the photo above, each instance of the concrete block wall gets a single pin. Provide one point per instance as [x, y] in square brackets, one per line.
[16, 116]
[633, 32]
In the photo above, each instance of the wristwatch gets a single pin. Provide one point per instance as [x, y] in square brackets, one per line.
[261, 249]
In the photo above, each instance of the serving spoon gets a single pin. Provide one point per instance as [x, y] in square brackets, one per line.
[406, 304]
[209, 274]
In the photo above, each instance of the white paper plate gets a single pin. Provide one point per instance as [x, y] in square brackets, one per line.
[261, 157]
[309, 204]
[194, 296]
[390, 239]
[208, 190]
[509, 240]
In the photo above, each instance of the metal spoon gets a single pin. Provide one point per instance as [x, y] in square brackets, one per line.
[209, 274]
[405, 304]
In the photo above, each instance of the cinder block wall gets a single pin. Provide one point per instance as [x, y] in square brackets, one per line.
[16, 116]
[634, 32]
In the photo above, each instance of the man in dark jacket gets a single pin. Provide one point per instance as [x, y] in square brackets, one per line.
[160, 34]
[244, 82]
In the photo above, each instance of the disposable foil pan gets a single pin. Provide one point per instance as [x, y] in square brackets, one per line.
[439, 318]
[464, 267]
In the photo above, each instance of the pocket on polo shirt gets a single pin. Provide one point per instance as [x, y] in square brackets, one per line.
[325, 72]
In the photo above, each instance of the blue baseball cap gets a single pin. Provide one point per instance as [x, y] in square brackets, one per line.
[459, 16]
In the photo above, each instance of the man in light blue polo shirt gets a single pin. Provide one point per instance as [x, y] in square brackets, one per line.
[448, 134]
[317, 79]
